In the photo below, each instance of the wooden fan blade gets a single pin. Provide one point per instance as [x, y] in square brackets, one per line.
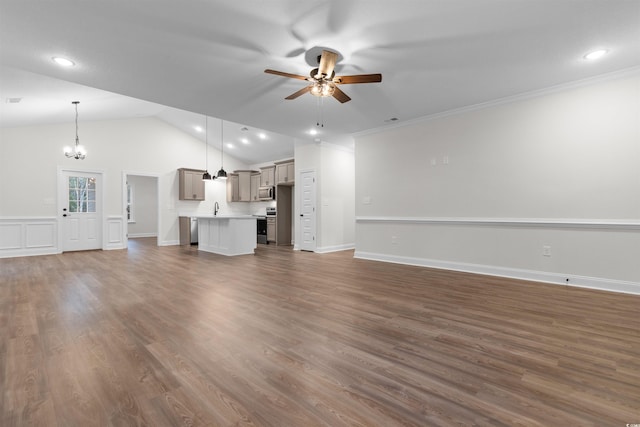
[341, 96]
[280, 73]
[300, 92]
[327, 62]
[361, 78]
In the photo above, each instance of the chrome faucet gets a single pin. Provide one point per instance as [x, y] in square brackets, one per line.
[216, 208]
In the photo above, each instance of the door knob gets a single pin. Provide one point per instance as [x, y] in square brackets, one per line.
[64, 214]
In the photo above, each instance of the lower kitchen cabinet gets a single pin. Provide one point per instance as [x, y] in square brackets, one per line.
[271, 229]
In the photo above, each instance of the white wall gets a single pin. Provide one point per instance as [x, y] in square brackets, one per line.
[30, 157]
[499, 189]
[144, 206]
[335, 190]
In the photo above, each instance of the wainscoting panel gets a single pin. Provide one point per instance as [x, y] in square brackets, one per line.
[115, 233]
[27, 236]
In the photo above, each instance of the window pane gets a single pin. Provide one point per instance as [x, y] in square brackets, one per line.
[91, 207]
[92, 195]
[73, 182]
[73, 206]
[91, 183]
[82, 182]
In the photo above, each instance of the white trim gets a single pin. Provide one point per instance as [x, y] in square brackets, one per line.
[336, 248]
[513, 273]
[606, 224]
[627, 72]
[168, 242]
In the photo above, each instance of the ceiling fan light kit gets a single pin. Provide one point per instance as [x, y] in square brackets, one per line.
[77, 152]
[324, 82]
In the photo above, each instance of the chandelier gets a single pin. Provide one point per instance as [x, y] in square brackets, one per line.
[78, 152]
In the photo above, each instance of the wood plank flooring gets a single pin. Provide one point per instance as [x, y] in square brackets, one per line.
[168, 336]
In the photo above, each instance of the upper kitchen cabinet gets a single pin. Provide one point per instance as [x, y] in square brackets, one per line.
[239, 186]
[285, 172]
[255, 184]
[191, 185]
[268, 176]
[233, 187]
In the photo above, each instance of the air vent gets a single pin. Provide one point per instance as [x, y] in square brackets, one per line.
[13, 100]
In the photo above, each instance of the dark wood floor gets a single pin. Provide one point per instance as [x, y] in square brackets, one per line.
[170, 337]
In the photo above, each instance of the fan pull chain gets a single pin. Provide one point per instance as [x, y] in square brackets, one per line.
[320, 116]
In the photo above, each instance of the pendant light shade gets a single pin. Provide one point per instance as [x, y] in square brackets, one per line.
[221, 173]
[206, 176]
[77, 152]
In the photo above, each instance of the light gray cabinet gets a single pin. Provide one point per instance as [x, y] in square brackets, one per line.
[268, 176]
[239, 186]
[271, 229]
[191, 185]
[233, 187]
[285, 173]
[255, 184]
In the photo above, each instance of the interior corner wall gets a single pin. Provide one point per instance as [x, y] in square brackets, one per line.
[336, 199]
[143, 145]
[544, 188]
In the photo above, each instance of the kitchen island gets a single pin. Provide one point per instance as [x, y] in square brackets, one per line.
[227, 234]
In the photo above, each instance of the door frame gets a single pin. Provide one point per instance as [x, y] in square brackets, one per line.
[125, 228]
[60, 202]
[299, 200]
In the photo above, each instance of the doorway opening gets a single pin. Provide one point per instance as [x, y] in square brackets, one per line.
[141, 206]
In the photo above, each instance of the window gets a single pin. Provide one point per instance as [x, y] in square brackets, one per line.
[82, 194]
[130, 211]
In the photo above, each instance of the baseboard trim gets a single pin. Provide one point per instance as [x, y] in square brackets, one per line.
[335, 248]
[138, 235]
[602, 284]
[169, 243]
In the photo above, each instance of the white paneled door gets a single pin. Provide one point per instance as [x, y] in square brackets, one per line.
[80, 210]
[308, 211]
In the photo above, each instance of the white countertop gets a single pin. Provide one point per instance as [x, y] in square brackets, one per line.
[212, 216]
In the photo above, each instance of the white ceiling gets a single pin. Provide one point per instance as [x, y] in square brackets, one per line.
[208, 58]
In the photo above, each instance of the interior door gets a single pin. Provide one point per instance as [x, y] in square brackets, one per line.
[308, 211]
[81, 210]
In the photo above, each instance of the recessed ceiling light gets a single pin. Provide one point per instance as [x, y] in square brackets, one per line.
[262, 136]
[230, 145]
[313, 132]
[596, 54]
[64, 62]
[198, 128]
[244, 140]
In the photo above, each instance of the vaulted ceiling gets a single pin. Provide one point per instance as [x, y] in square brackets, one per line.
[208, 57]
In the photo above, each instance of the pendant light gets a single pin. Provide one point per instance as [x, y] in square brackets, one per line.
[221, 173]
[78, 152]
[206, 176]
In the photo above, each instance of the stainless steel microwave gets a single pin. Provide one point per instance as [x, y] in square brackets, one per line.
[266, 193]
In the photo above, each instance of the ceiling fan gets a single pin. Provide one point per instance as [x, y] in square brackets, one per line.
[324, 81]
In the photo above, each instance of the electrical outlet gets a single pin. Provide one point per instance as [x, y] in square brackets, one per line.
[546, 250]
[445, 160]
[394, 240]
